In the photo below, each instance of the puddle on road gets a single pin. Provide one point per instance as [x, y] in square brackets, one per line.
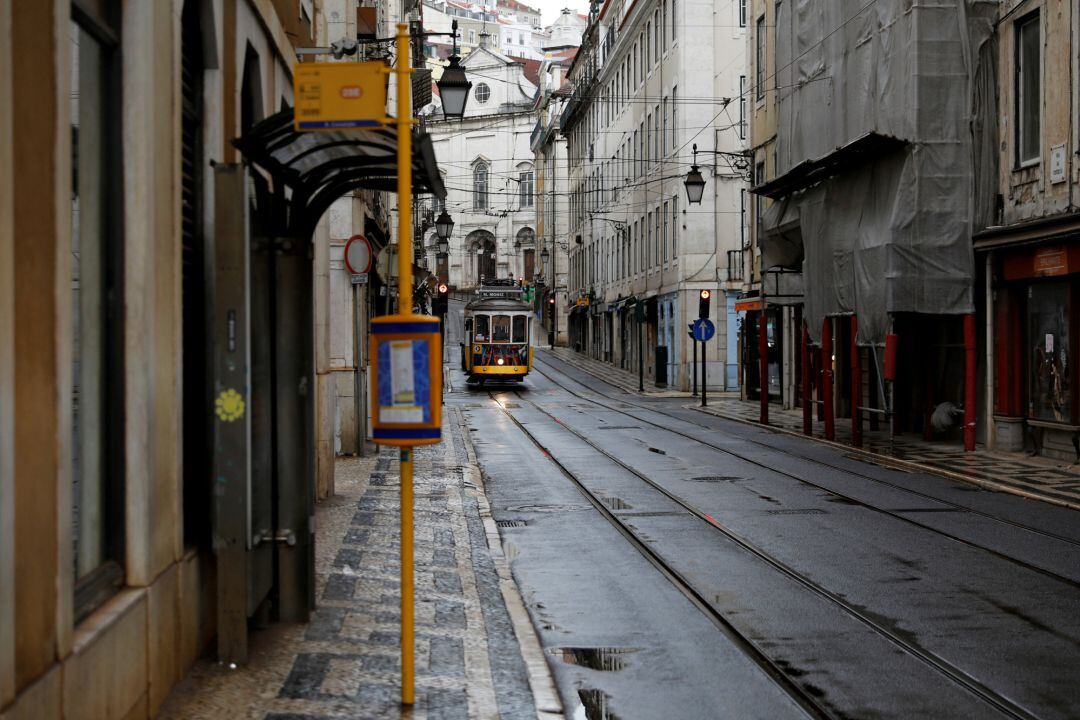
[604, 659]
[715, 478]
[618, 427]
[594, 706]
[614, 503]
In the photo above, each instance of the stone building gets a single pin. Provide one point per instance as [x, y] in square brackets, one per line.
[1029, 256]
[552, 194]
[488, 171]
[871, 171]
[164, 308]
[652, 81]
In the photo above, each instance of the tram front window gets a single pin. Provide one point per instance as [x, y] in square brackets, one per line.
[481, 328]
[519, 329]
[500, 328]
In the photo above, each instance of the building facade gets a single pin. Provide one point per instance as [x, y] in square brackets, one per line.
[552, 194]
[866, 244]
[163, 307]
[489, 173]
[651, 82]
[1030, 254]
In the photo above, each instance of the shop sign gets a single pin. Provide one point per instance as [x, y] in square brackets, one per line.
[335, 96]
[1051, 261]
[748, 305]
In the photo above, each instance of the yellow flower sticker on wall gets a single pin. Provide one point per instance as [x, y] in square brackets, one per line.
[229, 405]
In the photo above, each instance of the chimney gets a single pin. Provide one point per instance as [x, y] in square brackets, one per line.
[484, 35]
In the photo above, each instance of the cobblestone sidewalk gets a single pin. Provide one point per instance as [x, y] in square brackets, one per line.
[345, 663]
[1034, 477]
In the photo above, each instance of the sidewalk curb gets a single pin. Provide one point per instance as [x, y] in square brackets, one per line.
[896, 462]
[541, 681]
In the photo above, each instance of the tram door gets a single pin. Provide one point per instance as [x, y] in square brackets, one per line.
[263, 436]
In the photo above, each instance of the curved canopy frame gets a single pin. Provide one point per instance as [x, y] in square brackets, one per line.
[320, 167]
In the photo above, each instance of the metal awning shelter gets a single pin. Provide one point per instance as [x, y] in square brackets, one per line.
[320, 167]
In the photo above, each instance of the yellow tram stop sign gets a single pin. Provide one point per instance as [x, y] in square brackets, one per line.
[406, 380]
[337, 96]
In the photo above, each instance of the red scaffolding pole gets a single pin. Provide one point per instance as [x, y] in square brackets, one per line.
[856, 386]
[763, 365]
[827, 378]
[969, 383]
[807, 400]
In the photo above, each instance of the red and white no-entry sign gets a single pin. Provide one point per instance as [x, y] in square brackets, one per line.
[358, 255]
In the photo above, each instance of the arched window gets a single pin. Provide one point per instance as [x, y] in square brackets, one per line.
[480, 186]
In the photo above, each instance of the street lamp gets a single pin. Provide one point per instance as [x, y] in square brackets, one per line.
[453, 85]
[694, 182]
[444, 226]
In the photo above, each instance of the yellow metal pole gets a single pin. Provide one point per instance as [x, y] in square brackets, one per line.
[404, 161]
[405, 307]
[408, 651]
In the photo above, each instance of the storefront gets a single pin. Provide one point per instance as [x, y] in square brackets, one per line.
[669, 323]
[751, 353]
[1035, 287]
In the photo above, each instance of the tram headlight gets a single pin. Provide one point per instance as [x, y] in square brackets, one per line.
[499, 361]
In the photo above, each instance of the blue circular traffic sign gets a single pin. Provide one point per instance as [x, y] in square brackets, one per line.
[704, 330]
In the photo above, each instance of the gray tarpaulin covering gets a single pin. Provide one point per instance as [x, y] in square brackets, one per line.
[878, 104]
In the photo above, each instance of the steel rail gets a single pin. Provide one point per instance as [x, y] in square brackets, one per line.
[822, 463]
[950, 671]
[802, 697]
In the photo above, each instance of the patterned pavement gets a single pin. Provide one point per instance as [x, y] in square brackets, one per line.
[1035, 477]
[345, 662]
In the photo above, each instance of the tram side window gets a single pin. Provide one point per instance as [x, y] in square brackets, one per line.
[500, 328]
[519, 329]
[481, 328]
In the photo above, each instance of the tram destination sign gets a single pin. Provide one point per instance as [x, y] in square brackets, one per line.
[340, 96]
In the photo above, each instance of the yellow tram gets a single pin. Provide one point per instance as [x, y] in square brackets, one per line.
[498, 333]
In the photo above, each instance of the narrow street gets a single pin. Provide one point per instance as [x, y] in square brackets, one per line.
[674, 561]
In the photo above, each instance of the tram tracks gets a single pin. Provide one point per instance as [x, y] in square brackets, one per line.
[801, 696]
[806, 699]
[832, 491]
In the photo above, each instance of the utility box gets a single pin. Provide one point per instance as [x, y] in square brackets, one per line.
[661, 366]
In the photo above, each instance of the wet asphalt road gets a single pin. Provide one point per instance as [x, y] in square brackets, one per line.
[734, 572]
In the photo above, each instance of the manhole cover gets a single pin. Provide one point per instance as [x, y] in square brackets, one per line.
[510, 523]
